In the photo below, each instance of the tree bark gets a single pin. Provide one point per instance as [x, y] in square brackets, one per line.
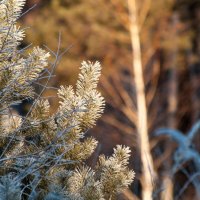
[142, 127]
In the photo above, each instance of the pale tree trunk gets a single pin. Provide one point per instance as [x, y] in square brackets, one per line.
[167, 193]
[173, 81]
[142, 127]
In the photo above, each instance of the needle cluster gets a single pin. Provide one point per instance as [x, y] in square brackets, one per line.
[42, 155]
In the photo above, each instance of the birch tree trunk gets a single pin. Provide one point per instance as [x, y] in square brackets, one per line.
[172, 96]
[142, 128]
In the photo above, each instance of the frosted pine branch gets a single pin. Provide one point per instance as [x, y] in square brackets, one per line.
[40, 149]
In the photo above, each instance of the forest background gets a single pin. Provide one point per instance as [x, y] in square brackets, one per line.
[169, 32]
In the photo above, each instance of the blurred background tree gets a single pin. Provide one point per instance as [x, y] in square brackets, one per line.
[170, 49]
